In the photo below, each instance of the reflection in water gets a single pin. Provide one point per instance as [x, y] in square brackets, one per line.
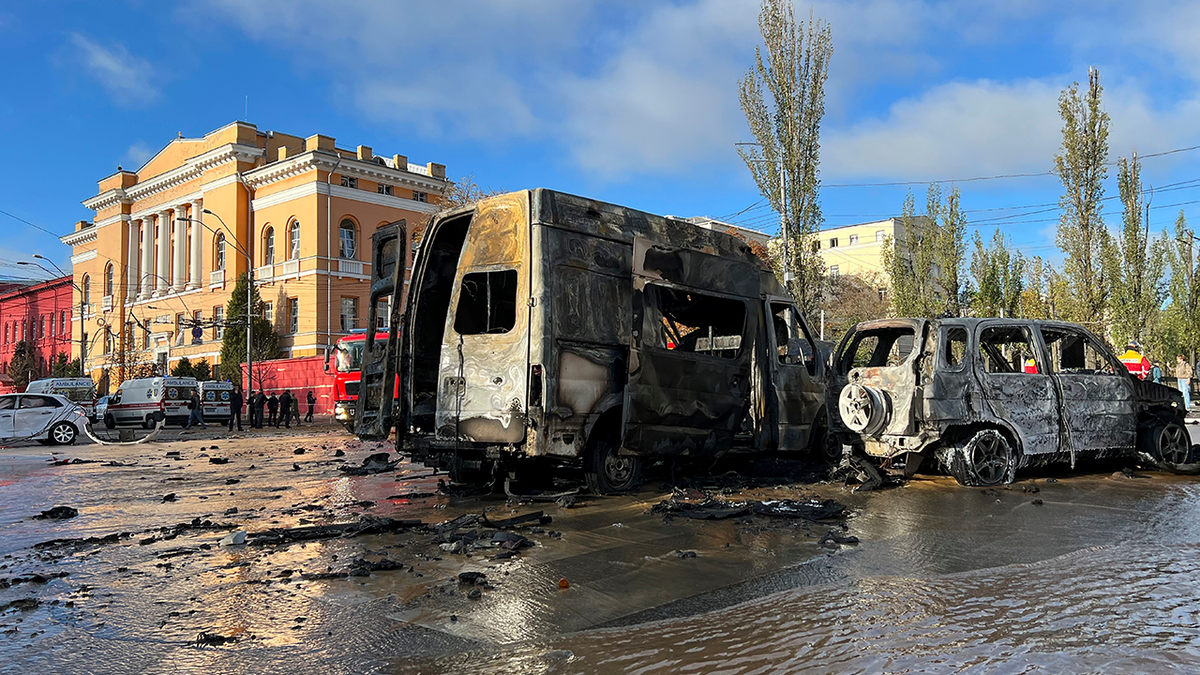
[1119, 609]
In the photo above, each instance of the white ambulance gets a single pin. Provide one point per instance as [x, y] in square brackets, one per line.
[215, 400]
[137, 401]
[79, 390]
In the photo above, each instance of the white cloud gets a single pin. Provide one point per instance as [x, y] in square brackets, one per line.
[138, 154]
[127, 79]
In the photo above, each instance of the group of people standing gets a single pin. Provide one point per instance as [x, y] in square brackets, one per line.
[280, 409]
[1142, 367]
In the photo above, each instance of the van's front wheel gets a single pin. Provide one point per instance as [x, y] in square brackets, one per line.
[608, 472]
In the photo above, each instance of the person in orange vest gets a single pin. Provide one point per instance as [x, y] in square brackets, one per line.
[1135, 361]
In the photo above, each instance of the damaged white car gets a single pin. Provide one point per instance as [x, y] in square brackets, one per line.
[49, 419]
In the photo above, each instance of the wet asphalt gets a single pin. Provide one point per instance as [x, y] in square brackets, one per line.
[1062, 571]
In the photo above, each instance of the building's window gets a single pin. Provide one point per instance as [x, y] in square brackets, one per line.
[197, 320]
[816, 246]
[6, 332]
[347, 239]
[853, 239]
[218, 322]
[293, 315]
[179, 329]
[385, 189]
[880, 235]
[349, 314]
[42, 328]
[833, 242]
[51, 324]
[22, 329]
[420, 196]
[834, 271]
[294, 240]
[219, 263]
[382, 313]
[349, 181]
[145, 337]
[108, 279]
[269, 312]
[62, 322]
[269, 246]
[87, 289]
[108, 342]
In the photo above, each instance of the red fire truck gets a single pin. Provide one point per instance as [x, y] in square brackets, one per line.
[347, 359]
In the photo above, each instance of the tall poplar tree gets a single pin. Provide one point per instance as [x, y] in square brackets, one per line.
[999, 275]
[1138, 290]
[1082, 235]
[1182, 315]
[783, 98]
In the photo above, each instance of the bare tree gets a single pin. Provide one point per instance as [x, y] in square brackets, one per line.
[783, 98]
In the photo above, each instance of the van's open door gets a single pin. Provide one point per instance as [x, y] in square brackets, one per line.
[690, 355]
[373, 417]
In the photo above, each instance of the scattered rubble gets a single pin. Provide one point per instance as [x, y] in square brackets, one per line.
[718, 509]
[376, 463]
[58, 513]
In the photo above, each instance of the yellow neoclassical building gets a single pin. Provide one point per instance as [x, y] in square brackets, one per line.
[302, 209]
[858, 249]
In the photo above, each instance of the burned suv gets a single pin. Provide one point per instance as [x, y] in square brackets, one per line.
[986, 397]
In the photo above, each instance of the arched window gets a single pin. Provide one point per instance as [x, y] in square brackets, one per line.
[108, 279]
[269, 246]
[294, 240]
[347, 239]
[87, 290]
[62, 322]
[42, 327]
[219, 263]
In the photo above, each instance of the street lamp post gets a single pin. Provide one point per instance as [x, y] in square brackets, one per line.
[249, 291]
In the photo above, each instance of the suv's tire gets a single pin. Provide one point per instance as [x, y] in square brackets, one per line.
[864, 409]
[608, 472]
[1170, 443]
[110, 422]
[63, 433]
[986, 459]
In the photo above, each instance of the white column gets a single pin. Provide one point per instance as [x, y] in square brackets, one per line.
[131, 261]
[177, 272]
[197, 246]
[160, 270]
[146, 281]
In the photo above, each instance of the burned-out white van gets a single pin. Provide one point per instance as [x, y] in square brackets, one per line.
[137, 401]
[544, 326]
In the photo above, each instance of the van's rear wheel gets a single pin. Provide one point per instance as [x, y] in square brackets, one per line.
[148, 423]
[110, 422]
[608, 472]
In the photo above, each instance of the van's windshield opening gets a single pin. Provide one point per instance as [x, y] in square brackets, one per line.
[487, 303]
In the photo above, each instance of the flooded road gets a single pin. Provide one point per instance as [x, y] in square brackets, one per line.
[1061, 572]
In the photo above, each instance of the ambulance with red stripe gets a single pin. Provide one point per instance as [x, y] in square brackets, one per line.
[137, 401]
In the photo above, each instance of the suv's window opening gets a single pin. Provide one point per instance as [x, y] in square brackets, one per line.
[1007, 349]
[793, 343]
[686, 321]
[956, 346]
[487, 303]
[8, 402]
[38, 402]
[880, 348]
[1073, 353]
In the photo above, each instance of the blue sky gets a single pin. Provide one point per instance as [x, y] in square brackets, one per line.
[628, 101]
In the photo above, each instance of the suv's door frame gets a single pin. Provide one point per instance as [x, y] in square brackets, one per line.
[1039, 410]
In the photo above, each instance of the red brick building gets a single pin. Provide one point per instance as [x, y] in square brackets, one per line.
[41, 314]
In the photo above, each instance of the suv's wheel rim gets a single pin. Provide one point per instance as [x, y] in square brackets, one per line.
[1173, 444]
[63, 434]
[618, 470]
[990, 458]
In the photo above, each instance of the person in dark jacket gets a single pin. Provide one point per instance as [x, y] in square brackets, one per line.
[273, 410]
[257, 401]
[195, 412]
[235, 409]
[285, 410]
[296, 408]
[312, 401]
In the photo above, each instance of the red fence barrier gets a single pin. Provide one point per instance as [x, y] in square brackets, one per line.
[299, 375]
